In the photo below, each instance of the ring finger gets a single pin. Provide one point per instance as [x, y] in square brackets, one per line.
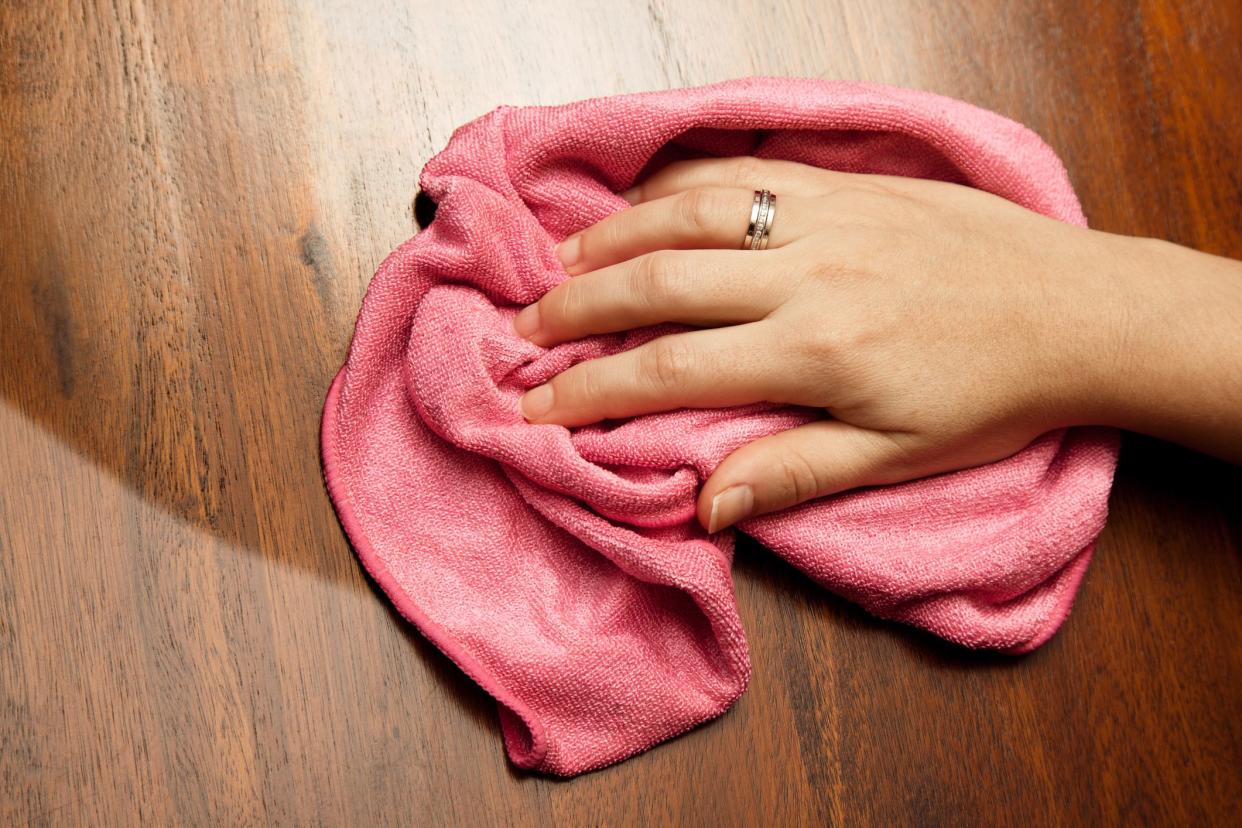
[702, 218]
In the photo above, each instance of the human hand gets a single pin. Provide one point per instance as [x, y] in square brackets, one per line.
[941, 327]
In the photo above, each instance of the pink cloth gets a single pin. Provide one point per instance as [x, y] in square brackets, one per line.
[563, 569]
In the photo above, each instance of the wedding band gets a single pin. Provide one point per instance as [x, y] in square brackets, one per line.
[762, 209]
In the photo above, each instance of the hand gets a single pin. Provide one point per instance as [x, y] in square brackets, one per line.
[941, 327]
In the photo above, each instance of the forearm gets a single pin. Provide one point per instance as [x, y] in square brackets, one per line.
[1172, 363]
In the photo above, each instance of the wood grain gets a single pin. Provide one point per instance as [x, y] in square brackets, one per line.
[192, 201]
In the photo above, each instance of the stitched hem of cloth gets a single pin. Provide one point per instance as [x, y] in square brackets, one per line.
[527, 750]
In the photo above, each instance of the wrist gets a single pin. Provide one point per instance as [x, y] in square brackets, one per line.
[1131, 279]
[1163, 355]
[1094, 288]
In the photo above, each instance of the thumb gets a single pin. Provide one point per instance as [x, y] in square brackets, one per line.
[785, 469]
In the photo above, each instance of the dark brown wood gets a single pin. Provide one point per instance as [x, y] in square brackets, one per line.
[193, 198]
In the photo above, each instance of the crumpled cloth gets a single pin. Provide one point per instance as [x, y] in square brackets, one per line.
[563, 569]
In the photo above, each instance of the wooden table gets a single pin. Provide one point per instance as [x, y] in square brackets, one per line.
[193, 198]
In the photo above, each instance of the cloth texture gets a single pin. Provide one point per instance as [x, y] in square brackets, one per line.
[563, 569]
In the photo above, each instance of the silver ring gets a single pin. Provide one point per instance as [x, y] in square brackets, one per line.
[758, 231]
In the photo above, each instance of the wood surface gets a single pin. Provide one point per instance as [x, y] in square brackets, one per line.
[193, 198]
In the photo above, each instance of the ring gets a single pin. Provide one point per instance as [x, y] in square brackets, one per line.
[762, 209]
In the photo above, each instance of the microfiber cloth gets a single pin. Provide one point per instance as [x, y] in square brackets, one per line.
[562, 568]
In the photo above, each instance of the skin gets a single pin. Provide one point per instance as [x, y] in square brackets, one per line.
[941, 327]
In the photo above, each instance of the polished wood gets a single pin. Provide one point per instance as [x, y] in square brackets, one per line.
[193, 198]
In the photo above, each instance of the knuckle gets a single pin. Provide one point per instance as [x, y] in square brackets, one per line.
[798, 478]
[744, 171]
[667, 362]
[575, 387]
[825, 270]
[871, 188]
[656, 277]
[835, 348]
[560, 306]
[600, 240]
[875, 204]
[647, 275]
[698, 208]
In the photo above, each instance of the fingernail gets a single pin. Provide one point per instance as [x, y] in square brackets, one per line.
[631, 195]
[526, 323]
[536, 402]
[730, 506]
[570, 250]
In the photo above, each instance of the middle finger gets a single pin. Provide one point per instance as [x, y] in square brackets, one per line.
[694, 287]
[711, 368]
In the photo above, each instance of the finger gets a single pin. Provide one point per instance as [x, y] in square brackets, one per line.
[742, 172]
[711, 368]
[695, 287]
[701, 218]
[782, 470]
[746, 172]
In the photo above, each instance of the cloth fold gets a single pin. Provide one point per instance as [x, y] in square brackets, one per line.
[563, 569]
